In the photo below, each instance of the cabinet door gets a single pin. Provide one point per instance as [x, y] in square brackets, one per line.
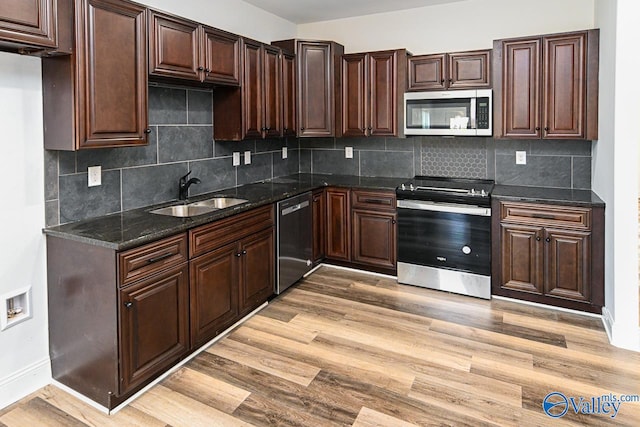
[427, 72]
[258, 275]
[564, 86]
[316, 92]
[154, 326]
[252, 90]
[469, 70]
[355, 99]
[521, 88]
[521, 258]
[338, 224]
[272, 109]
[568, 256]
[174, 47]
[383, 105]
[29, 22]
[319, 220]
[221, 57]
[374, 238]
[213, 292]
[288, 95]
[112, 73]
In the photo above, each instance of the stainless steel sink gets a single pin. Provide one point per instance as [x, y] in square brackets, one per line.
[199, 208]
[219, 202]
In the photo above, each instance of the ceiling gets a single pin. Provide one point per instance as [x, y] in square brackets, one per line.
[306, 11]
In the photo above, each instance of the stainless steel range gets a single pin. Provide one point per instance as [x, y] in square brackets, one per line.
[444, 234]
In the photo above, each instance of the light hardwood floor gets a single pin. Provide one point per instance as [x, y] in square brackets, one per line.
[346, 348]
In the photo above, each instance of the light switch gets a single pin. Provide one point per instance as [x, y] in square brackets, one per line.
[521, 157]
[284, 152]
[348, 152]
[247, 157]
[95, 176]
[236, 159]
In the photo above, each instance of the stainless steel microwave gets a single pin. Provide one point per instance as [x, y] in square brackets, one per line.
[452, 112]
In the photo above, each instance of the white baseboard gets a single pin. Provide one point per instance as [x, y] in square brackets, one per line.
[24, 382]
[627, 338]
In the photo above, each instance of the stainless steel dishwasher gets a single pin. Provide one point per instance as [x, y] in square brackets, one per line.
[294, 240]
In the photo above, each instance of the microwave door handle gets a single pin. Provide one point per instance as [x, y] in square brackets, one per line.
[472, 113]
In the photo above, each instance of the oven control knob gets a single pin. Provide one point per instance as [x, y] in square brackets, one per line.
[473, 191]
[483, 193]
[403, 187]
[411, 187]
[466, 250]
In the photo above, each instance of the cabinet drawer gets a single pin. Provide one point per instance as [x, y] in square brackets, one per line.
[148, 259]
[374, 200]
[546, 215]
[211, 236]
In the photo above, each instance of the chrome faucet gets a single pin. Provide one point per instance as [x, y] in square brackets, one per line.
[183, 186]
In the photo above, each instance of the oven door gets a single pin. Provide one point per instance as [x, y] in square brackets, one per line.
[447, 236]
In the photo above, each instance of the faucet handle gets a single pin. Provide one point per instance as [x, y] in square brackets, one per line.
[184, 178]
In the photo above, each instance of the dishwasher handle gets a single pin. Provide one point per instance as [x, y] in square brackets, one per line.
[294, 208]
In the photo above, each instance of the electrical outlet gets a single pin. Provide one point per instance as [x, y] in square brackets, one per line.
[348, 152]
[95, 176]
[236, 159]
[247, 157]
[284, 152]
[521, 157]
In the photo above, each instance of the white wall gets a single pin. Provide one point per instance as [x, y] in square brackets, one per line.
[235, 16]
[615, 164]
[24, 353]
[465, 25]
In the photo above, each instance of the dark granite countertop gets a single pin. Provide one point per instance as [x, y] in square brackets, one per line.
[559, 196]
[135, 227]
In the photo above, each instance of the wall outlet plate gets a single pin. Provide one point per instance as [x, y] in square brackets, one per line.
[348, 152]
[247, 157]
[236, 158]
[284, 152]
[521, 157]
[95, 176]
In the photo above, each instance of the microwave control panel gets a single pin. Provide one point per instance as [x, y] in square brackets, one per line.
[482, 113]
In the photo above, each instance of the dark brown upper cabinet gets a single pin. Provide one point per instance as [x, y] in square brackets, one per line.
[318, 86]
[183, 49]
[255, 109]
[459, 70]
[97, 96]
[373, 85]
[547, 86]
[288, 94]
[29, 26]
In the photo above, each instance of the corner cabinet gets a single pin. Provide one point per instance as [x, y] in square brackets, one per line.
[318, 86]
[28, 26]
[458, 70]
[551, 254]
[373, 85]
[547, 86]
[97, 96]
[185, 50]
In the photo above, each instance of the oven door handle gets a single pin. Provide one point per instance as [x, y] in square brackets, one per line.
[443, 207]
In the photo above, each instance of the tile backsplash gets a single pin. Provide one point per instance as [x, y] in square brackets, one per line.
[181, 140]
[181, 120]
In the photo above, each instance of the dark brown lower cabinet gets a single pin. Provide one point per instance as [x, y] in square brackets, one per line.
[319, 220]
[360, 228]
[257, 276]
[551, 254]
[214, 293]
[154, 325]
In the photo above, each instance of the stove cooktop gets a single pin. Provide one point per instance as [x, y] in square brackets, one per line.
[451, 190]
